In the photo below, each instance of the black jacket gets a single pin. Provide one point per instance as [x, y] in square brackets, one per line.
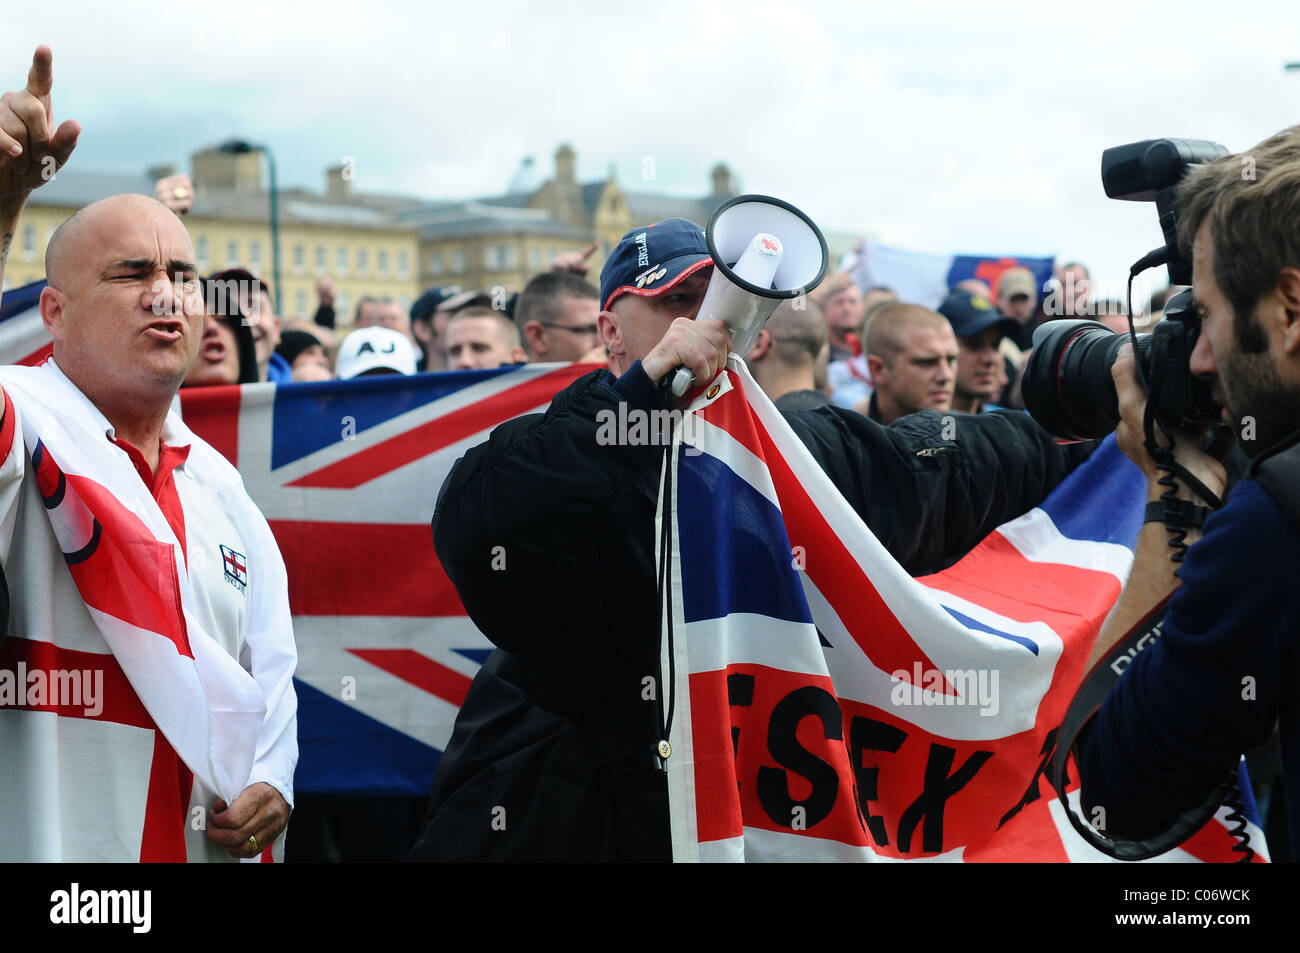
[548, 537]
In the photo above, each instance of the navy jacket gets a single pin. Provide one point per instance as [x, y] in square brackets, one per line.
[1224, 672]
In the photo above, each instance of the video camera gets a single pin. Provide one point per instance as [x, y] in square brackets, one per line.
[1067, 386]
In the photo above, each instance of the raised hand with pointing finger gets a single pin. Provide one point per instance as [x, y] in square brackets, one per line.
[32, 150]
[574, 262]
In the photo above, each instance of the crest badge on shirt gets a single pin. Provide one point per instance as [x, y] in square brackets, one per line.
[235, 566]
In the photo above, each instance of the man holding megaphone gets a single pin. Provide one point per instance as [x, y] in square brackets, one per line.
[548, 534]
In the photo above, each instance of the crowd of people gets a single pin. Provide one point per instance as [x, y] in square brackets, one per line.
[557, 727]
[860, 349]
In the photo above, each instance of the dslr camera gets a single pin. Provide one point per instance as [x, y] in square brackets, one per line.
[1067, 386]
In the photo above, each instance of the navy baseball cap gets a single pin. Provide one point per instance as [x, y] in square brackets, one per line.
[971, 315]
[428, 302]
[649, 260]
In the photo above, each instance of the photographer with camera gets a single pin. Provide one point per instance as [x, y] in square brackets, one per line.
[1219, 667]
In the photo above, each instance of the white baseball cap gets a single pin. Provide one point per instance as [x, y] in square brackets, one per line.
[368, 349]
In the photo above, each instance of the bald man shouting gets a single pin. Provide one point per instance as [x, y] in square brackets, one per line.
[147, 709]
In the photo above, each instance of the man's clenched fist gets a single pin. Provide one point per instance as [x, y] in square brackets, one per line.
[700, 346]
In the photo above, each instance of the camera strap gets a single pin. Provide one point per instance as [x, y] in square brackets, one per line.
[1280, 475]
[1181, 513]
[1087, 701]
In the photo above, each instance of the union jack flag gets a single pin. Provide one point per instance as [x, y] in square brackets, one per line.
[347, 474]
[830, 706]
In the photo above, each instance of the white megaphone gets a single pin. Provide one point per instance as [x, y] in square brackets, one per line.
[764, 251]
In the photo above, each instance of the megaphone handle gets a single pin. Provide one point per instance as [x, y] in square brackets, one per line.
[682, 380]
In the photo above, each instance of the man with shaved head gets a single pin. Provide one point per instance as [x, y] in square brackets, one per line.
[146, 589]
[912, 356]
[784, 357]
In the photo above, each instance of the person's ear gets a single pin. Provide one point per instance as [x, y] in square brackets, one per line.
[1288, 295]
[533, 335]
[761, 346]
[52, 304]
[518, 355]
[875, 366]
[607, 323]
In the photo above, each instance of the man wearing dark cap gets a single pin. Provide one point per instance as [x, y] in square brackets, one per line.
[428, 325]
[548, 534]
[979, 329]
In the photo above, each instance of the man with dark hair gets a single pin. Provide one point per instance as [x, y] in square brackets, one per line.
[237, 290]
[912, 357]
[227, 353]
[1228, 638]
[429, 325]
[979, 329]
[783, 359]
[556, 313]
[554, 751]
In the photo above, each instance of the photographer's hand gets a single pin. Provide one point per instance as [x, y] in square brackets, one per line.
[1131, 437]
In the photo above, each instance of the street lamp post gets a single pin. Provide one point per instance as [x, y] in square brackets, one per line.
[239, 147]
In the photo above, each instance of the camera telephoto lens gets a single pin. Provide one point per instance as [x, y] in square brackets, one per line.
[1067, 387]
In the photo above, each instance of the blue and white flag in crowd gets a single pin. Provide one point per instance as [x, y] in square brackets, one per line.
[925, 279]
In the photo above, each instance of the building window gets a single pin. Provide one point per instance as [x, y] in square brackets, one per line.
[535, 258]
[255, 256]
[300, 303]
[363, 261]
[459, 262]
[381, 261]
[405, 303]
[342, 305]
[341, 260]
[554, 253]
[403, 264]
[232, 254]
[29, 242]
[299, 258]
[499, 257]
[203, 252]
[436, 266]
[320, 259]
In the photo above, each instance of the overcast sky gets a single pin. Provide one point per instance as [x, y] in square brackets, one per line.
[942, 127]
